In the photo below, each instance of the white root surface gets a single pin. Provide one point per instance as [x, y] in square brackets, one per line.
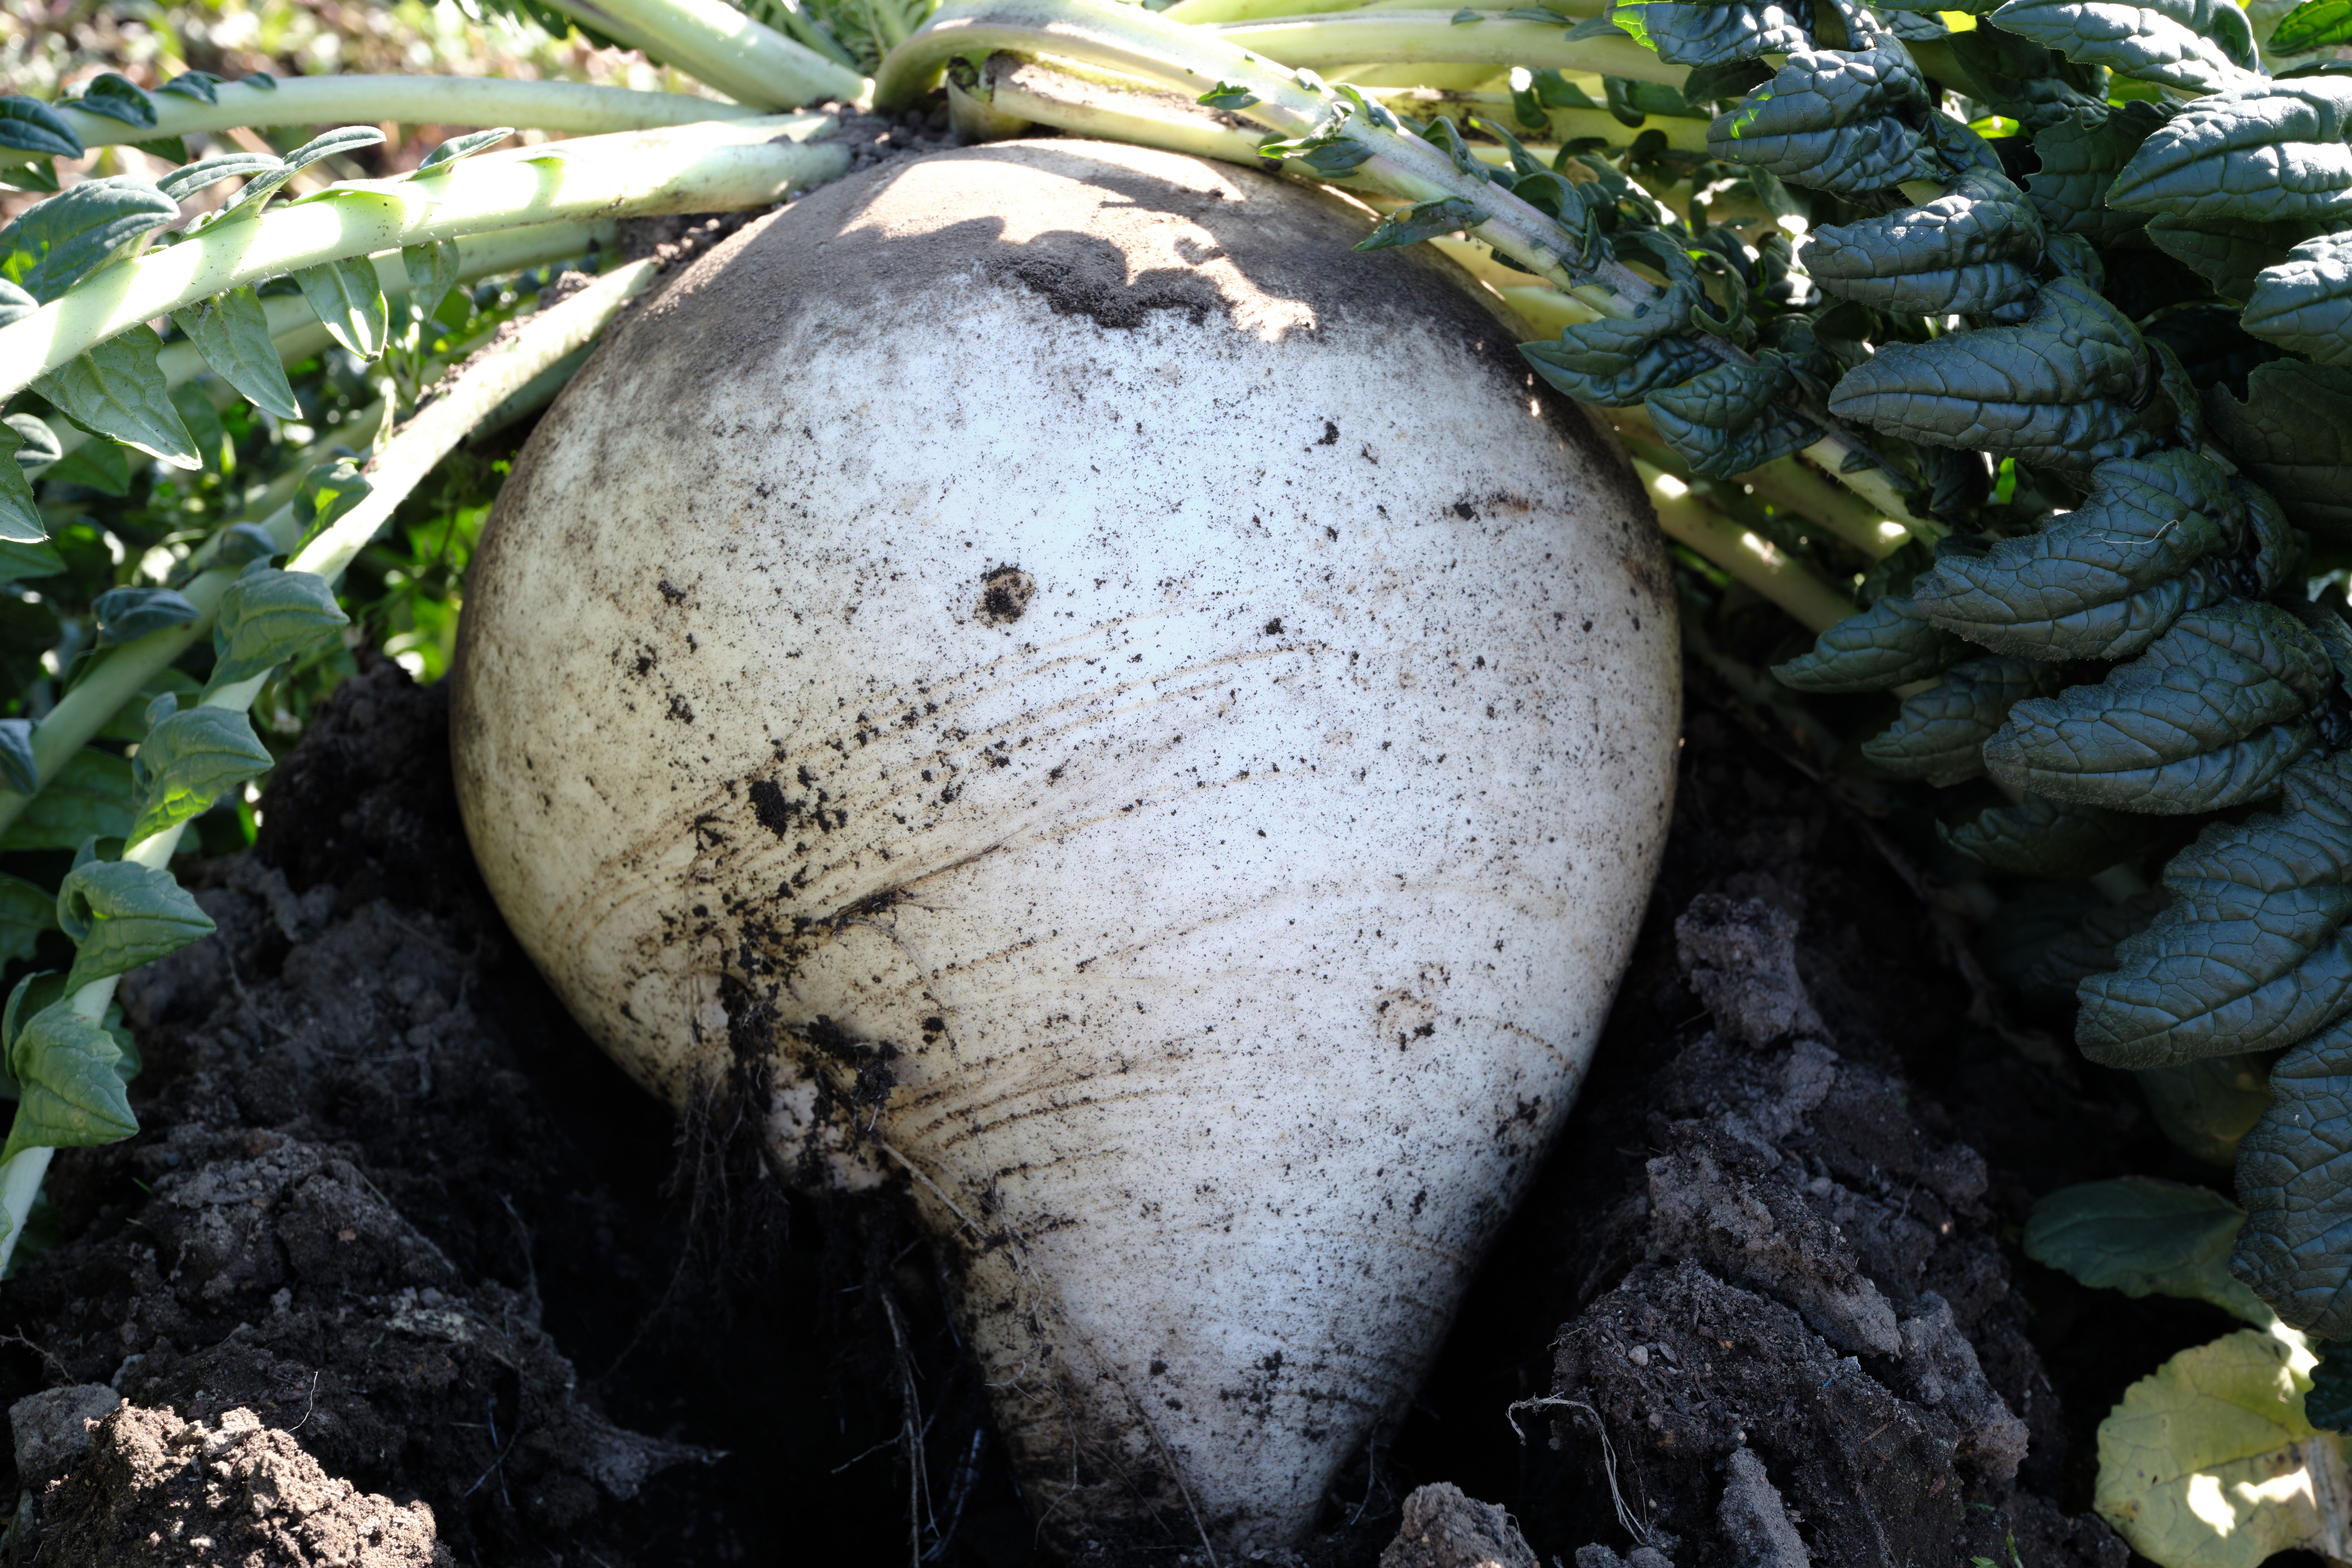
[1151, 731]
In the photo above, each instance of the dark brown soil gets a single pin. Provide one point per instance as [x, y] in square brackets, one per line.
[391, 1204]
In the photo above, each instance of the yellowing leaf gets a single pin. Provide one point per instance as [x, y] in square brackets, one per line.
[2210, 1464]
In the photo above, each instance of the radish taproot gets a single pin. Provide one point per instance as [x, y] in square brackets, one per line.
[1116, 715]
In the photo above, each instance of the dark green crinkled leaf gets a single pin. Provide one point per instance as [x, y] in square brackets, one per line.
[183, 183]
[232, 331]
[1615, 364]
[116, 97]
[29, 125]
[2144, 1236]
[1733, 417]
[70, 1094]
[1940, 733]
[2080, 157]
[2293, 435]
[26, 910]
[269, 616]
[2250, 954]
[2038, 838]
[20, 515]
[2208, 717]
[123, 613]
[2103, 581]
[2328, 1405]
[2089, 948]
[2207, 1106]
[2020, 78]
[2295, 1174]
[1709, 35]
[59, 242]
[2273, 151]
[1410, 225]
[89, 799]
[348, 301]
[189, 760]
[1831, 122]
[1970, 251]
[117, 389]
[1889, 644]
[2228, 253]
[2063, 387]
[124, 914]
[2197, 46]
[2305, 303]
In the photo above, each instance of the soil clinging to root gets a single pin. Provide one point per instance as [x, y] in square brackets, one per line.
[401, 1271]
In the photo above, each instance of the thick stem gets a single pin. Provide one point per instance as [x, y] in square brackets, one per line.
[20, 1184]
[1434, 37]
[1748, 557]
[574, 107]
[294, 328]
[701, 168]
[723, 48]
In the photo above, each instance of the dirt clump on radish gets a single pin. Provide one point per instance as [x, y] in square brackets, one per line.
[1124, 720]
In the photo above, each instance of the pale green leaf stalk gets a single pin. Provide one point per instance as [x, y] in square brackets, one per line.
[710, 167]
[1359, 38]
[723, 48]
[573, 109]
[543, 341]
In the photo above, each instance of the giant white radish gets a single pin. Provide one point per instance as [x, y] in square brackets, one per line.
[1122, 717]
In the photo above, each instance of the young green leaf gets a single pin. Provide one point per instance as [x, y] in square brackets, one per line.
[2207, 1107]
[70, 1095]
[1733, 417]
[116, 97]
[57, 243]
[233, 334]
[258, 194]
[2293, 434]
[117, 389]
[1226, 95]
[1939, 734]
[1613, 363]
[2080, 157]
[189, 760]
[2038, 838]
[197, 85]
[183, 183]
[2313, 25]
[2195, 46]
[20, 514]
[29, 125]
[2104, 581]
[2305, 303]
[18, 770]
[431, 273]
[1410, 225]
[328, 490]
[2271, 151]
[124, 914]
[40, 443]
[1968, 251]
[269, 616]
[2251, 955]
[1832, 121]
[2145, 1237]
[458, 147]
[124, 613]
[2210, 1462]
[26, 910]
[349, 302]
[2066, 387]
[89, 799]
[2208, 717]
[1889, 644]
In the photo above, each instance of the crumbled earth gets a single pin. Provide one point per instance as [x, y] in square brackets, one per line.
[400, 1266]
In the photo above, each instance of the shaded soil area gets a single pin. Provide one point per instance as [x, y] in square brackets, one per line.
[401, 1271]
